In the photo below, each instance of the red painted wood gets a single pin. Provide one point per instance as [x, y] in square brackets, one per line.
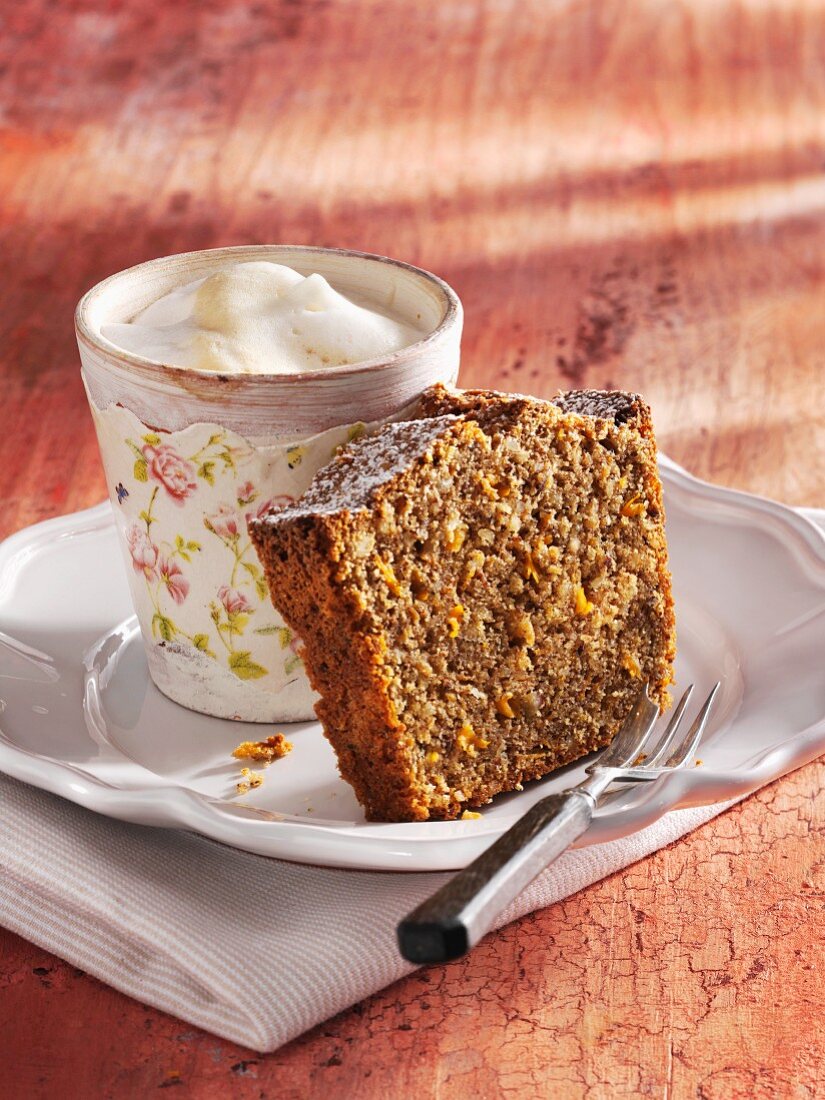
[622, 198]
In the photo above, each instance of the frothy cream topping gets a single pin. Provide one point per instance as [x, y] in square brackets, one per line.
[259, 318]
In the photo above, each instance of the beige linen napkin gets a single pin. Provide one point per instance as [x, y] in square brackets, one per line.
[256, 950]
[253, 949]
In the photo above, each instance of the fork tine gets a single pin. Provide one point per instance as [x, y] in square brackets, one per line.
[633, 734]
[658, 755]
[688, 747]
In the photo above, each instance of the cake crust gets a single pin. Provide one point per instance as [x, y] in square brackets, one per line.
[481, 590]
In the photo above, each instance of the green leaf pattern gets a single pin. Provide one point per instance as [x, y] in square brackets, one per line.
[243, 599]
[213, 481]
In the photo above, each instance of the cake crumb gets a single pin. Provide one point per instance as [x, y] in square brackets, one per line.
[271, 748]
[698, 763]
[470, 815]
[249, 781]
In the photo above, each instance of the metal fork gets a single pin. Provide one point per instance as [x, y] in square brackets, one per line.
[455, 918]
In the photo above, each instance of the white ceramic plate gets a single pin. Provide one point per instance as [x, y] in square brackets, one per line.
[80, 717]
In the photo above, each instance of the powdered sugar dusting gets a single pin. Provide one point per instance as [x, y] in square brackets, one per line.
[348, 482]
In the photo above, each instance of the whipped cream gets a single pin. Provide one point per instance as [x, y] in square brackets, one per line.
[259, 318]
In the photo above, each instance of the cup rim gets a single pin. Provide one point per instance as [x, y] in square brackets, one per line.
[85, 332]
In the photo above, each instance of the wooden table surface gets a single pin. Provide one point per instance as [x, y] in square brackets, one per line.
[623, 195]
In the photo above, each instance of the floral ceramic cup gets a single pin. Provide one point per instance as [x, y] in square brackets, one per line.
[191, 455]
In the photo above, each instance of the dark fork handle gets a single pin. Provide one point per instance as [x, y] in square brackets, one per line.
[455, 918]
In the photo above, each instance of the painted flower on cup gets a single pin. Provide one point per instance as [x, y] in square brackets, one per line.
[240, 616]
[268, 505]
[246, 493]
[223, 521]
[228, 524]
[233, 600]
[143, 551]
[175, 474]
[172, 577]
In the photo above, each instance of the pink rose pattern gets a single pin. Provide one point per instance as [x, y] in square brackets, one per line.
[144, 553]
[163, 564]
[174, 473]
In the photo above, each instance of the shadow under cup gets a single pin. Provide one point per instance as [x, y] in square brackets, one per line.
[190, 456]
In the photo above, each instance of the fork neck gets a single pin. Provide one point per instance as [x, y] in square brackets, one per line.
[597, 783]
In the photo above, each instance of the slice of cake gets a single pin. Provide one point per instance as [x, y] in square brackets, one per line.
[481, 591]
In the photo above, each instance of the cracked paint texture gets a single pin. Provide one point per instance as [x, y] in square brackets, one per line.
[696, 973]
[620, 202]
